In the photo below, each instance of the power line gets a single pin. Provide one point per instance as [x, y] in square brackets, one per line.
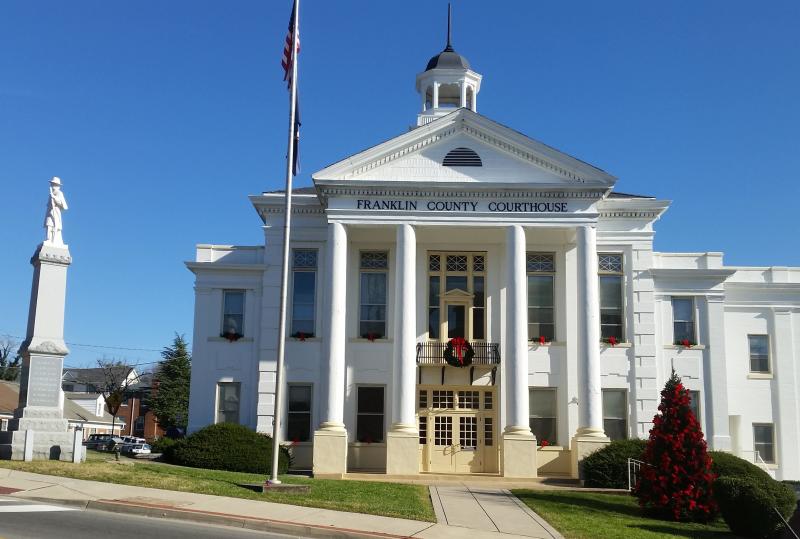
[98, 345]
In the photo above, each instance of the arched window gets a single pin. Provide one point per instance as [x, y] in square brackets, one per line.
[462, 157]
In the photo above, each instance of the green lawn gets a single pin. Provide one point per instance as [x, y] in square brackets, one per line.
[590, 515]
[387, 499]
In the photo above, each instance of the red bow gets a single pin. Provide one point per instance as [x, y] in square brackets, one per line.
[459, 345]
[541, 339]
[545, 443]
[301, 336]
[371, 337]
[686, 343]
[612, 340]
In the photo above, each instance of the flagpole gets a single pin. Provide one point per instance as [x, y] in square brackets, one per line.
[278, 410]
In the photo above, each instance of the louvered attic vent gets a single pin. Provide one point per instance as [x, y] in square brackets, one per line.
[462, 157]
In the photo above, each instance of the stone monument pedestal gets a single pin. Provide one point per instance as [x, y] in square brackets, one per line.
[39, 430]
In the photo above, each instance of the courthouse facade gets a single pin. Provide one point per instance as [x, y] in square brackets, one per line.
[465, 299]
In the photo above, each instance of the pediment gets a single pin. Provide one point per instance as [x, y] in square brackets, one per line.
[506, 156]
[457, 293]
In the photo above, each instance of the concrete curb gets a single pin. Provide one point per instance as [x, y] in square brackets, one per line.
[223, 519]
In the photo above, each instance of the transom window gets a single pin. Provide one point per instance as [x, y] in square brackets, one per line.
[456, 296]
[469, 400]
[447, 399]
[372, 312]
[612, 313]
[541, 296]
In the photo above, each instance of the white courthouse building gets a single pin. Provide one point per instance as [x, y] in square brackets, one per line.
[465, 299]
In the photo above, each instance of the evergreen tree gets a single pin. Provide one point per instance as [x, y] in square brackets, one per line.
[170, 399]
[676, 483]
[10, 360]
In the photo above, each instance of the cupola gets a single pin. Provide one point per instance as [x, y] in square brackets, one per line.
[447, 83]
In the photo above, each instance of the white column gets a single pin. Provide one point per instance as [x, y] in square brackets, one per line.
[334, 344]
[516, 361]
[463, 93]
[330, 441]
[787, 419]
[591, 397]
[519, 444]
[405, 331]
[435, 95]
[402, 440]
[716, 375]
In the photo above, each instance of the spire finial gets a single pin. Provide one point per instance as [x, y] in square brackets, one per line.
[449, 47]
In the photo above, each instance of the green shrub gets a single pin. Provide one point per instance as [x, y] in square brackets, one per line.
[748, 505]
[227, 446]
[162, 445]
[608, 467]
[726, 465]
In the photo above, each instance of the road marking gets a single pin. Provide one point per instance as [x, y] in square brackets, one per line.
[9, 506]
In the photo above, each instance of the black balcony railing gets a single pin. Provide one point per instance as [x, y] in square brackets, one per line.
[432, 353]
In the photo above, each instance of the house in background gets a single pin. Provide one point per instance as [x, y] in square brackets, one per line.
[80, 410]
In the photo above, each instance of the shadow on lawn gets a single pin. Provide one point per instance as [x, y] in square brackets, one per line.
[674, 531]
[571, 501]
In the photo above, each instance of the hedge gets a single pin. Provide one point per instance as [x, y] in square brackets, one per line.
[608, 467]
[727, 465]
[227, 446]
[748, 505]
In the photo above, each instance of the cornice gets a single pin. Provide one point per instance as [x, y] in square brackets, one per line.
[630, 214]
[484, 191]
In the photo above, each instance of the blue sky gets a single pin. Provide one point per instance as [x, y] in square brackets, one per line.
[161, 117]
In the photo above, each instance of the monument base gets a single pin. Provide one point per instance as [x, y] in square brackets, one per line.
[39, 434]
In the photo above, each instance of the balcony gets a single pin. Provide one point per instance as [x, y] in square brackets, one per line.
[432, 353]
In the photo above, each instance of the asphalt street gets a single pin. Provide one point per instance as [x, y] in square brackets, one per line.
[22, 519]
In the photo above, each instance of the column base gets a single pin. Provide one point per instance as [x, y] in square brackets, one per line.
[330, 453]
[402, 450]
[585, 442]
[519, 453]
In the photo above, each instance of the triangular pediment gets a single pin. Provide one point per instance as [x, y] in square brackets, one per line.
[506, 157]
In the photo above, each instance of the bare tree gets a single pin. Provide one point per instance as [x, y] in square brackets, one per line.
[10, 360]
[116, 385]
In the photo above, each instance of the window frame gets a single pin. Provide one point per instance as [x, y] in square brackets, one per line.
[304, 269]
[531, 417]
[470, 273]
[750, 354]
[624, 417]
[622, 291]
[290, 413]
[225, 292]
[382, 414]
[535, 273]
[675, 338]
[219, 401]
[383, 271]
[774, 445]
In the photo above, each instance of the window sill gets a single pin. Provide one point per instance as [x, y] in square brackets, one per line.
[223, 339]
[550, 448]
[365, 444]
[618, 345]
[760, 376]
[307, 339]
[682, 347]
[359, 339]
[537, 344]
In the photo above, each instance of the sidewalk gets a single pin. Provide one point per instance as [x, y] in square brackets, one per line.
[483, 513]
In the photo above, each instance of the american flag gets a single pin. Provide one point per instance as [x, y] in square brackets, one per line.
[288, 57]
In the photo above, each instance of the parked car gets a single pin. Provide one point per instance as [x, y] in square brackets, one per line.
[97, 441]
[133, 440]
[135, 450]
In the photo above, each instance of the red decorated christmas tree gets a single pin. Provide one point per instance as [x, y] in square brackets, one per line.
[676, 483]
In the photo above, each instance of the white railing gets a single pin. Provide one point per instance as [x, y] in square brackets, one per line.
[634, 466]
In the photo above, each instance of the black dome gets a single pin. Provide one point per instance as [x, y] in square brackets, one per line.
[447, 59]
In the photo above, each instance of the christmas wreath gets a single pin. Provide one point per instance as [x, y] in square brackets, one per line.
[458, 352]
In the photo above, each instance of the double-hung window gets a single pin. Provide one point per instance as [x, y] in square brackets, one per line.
[694, 404]
[764, 441]
[541, 269]
[228, 399]
[298, 428]
[374, 275]
[683, 320]
[304, 279]
[543, 418]
[759, 353]
[615, 413]
[233, 313]
[369, 414]
[612, 313]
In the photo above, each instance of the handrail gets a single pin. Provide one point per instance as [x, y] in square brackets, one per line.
[432, 353]
[634, 465]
